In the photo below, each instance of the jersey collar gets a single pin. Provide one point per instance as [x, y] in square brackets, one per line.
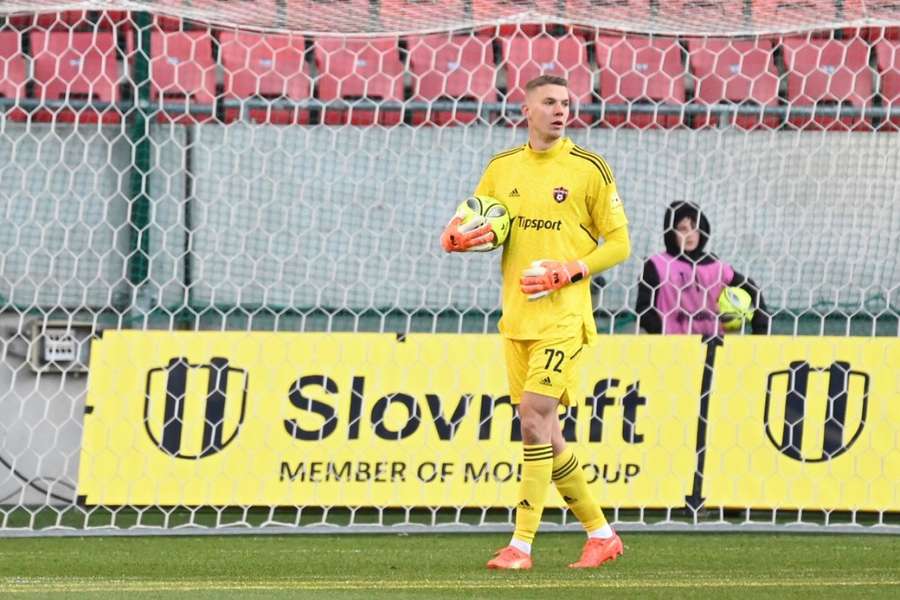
[561, 146]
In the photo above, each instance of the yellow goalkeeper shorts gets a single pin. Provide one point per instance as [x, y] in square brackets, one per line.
[547, 367]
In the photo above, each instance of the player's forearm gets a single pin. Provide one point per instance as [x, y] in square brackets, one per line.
[616, 248]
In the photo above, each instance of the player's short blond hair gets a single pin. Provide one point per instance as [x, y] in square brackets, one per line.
[543, 80]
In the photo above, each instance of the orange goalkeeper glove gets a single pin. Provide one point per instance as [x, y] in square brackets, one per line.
[546, 276]
[475, 235]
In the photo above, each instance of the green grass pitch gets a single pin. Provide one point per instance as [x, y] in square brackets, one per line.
[655, 565]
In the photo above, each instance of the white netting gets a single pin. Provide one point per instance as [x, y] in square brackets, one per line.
[674, 17]
[236, 168]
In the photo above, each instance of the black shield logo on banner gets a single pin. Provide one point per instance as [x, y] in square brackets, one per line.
[173, 417]
[841, 406]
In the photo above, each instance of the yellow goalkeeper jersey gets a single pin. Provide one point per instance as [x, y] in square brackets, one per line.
[561, 202]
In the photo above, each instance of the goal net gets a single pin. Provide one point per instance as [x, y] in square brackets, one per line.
[224, 304]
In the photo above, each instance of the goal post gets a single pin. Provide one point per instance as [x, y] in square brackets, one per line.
[224, 306]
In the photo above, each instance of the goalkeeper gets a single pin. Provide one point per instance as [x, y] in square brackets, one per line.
[562, 200]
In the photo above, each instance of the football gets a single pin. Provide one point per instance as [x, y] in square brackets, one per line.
[477, 210]
[735, 308]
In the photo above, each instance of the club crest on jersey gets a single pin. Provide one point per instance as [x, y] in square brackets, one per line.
[560, 194]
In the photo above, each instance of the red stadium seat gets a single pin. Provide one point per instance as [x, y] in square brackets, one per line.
[398, 14]
[66, 20]
[167, 21]
[355, 69]
[823, 72]
[640, 70]
[182, 72]
[885, 11]
[451, 67]
[888, 58]
[525, 58]
[265, 67]
[484, 11]
[13, 75]
[75, 66]
[110, 19]
[740, 72]
[169, 24]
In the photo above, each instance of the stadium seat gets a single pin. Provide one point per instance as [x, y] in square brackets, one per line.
[640, 70]
[739, 72]
[166, 21]
[888, 59]
[874, 34]
[13, 76]
[359, 69]
[81, 20]
[883, 11]
[265, 67]
[75, 66]
[182, 74]
[65, 20]
[484, 11]
[822, 72]
[451, 67]
[105, 20]
[524, 58]
[398, 14]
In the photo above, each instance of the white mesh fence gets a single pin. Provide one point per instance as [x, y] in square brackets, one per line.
[224, 304]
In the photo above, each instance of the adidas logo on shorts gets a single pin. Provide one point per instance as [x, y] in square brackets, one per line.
[514, 193]
[546, 381]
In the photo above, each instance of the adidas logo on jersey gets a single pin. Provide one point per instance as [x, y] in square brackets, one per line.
[525, 504]
[514, 193]
[546, 381]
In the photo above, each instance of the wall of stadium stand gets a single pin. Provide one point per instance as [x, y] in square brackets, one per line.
[307, 216]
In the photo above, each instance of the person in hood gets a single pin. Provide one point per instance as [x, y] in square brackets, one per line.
[679, 288]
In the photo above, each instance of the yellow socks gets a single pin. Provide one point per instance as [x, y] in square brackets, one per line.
[573, 487]
[536, 469]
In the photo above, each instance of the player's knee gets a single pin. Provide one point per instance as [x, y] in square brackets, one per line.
[534, 427]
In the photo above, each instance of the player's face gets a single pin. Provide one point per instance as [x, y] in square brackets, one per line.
[547, 111]
[688, 234]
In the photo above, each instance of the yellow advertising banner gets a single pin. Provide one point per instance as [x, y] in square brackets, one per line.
[806, 422]
[255, 418]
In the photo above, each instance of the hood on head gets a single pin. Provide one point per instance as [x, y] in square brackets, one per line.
[677, 211]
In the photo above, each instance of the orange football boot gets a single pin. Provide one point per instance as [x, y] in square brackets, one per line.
[510, 558]
[598, 551]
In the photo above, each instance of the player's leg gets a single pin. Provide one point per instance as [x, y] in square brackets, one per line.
[537, 418]
[516, 353]
[603, 544]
